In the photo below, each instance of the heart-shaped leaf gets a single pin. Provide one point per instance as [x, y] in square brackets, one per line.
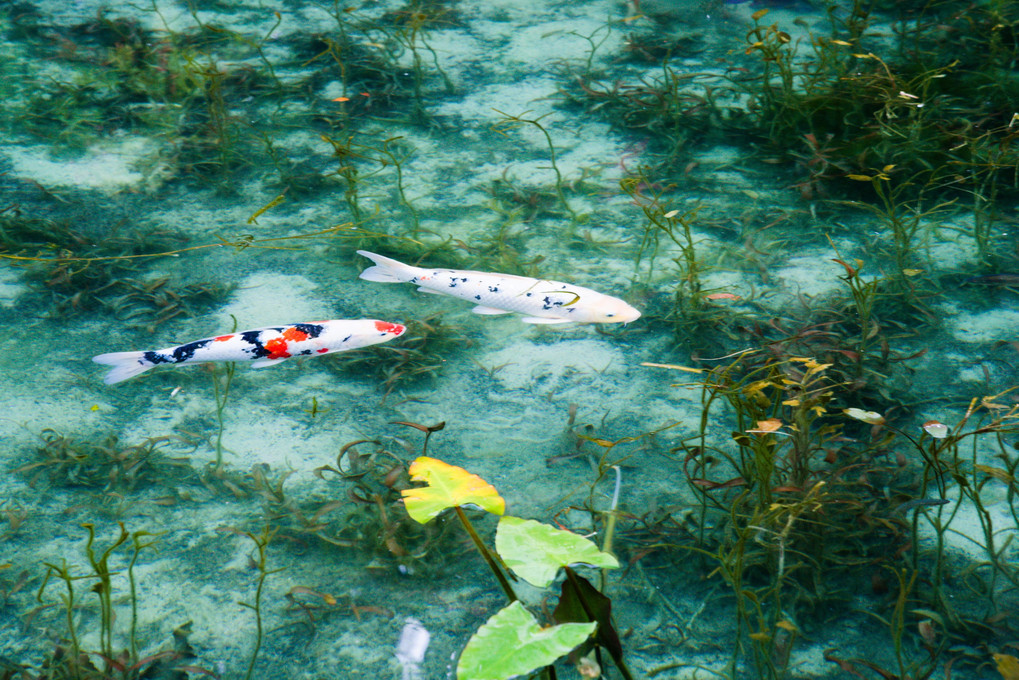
[536, 551]
[448, 487]
[513, 643]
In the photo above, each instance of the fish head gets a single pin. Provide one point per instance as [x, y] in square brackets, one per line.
[608, 309]
[394, 330]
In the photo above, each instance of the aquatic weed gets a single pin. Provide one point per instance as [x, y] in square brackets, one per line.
[689, 310]
[68, 658]
[780, 518]
[80, 271]
[370, 519]
[148, 304]
[420, 353]
[511, 122]
[104, 463]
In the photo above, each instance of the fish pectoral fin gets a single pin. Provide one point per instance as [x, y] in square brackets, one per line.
[422, 289]
[544, 320]
[482, 309]
[262, 363]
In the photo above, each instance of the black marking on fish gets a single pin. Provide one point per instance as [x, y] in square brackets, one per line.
[477, 297]
[156, 358]
[312, 330]
[257, 349]
[184, 352]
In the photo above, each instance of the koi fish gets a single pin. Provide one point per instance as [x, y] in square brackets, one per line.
[262, 346]
[540, 300]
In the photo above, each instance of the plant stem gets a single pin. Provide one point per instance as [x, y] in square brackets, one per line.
[506, 587]
[261, 543]
[221, 398]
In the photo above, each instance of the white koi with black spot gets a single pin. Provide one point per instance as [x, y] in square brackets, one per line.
[540, 301]
[261, 346]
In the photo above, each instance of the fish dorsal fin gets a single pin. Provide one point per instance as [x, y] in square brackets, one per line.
[482, 309]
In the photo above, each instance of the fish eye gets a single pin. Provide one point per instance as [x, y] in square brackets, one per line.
[610, 315]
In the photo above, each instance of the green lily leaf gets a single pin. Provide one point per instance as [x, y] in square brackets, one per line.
[448, 487]
[536, 551]
[513, 643]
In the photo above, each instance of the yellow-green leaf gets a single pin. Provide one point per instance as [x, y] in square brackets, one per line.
[535, 551]
[512, 643]
[1008, 666]
[448, 486]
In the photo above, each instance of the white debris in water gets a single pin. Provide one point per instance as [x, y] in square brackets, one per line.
[410, 650]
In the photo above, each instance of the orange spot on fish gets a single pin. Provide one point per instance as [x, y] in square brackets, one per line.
[294, 334]
[386, 327]
[223, 338]
[277, 348]
[342, 99]
[322, 350]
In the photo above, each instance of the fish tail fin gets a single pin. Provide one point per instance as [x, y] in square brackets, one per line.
[125, 365]
[386, 270]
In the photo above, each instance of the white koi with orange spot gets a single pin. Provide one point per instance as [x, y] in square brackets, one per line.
[262, 346]
[540, 301]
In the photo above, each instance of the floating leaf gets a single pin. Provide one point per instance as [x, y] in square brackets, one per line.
[1008, 666]
[767, 426]
[536, 551]
[513, 643]
[869, 417]
[936, 429]
[448, 486]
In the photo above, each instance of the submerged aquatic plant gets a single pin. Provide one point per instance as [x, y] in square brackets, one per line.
[780, 520]
[358, 507]
[804, 503]
[69, 658]
[511, 122]
[420, 353]
[81, 271]
[105, 463]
